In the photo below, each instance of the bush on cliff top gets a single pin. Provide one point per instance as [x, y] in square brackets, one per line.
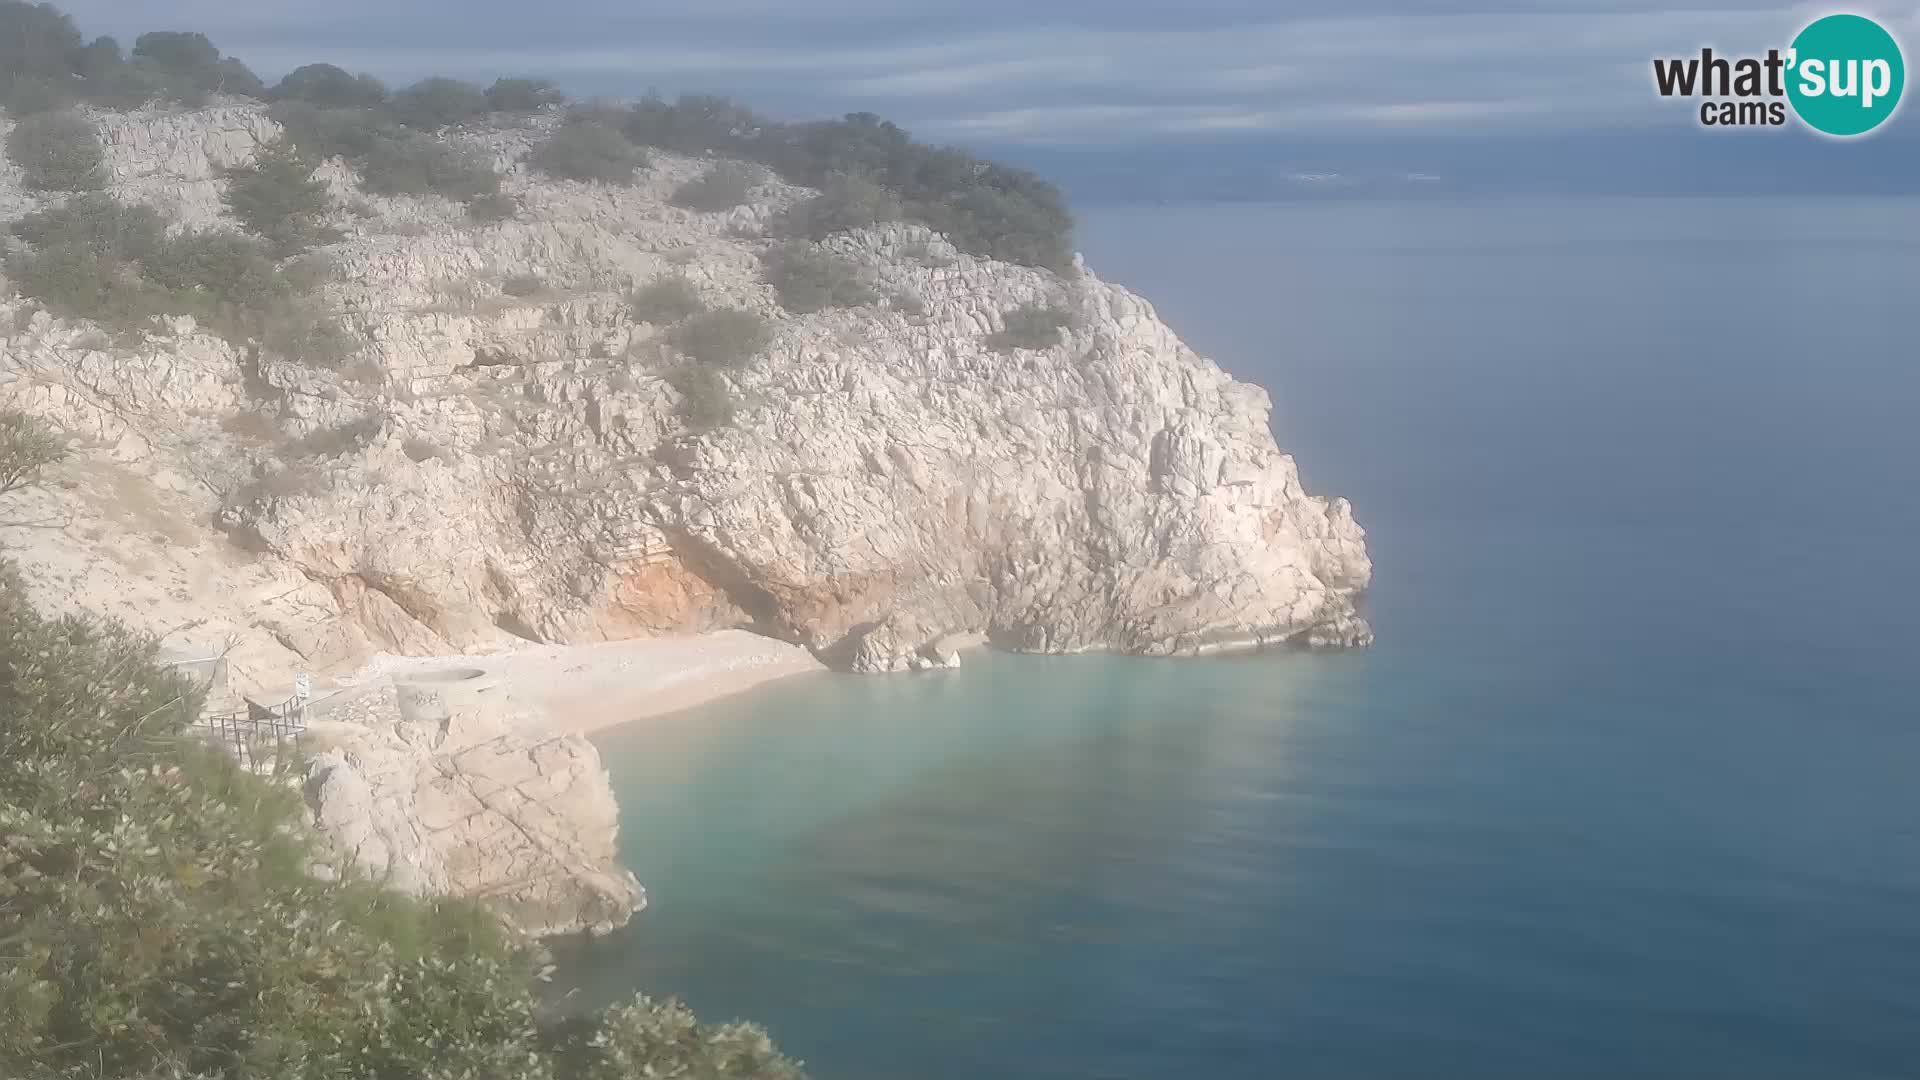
[158, 918]
[45, 63]
[589, 152]
[984, 207]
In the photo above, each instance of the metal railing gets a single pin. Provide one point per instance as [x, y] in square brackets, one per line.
[256, 736]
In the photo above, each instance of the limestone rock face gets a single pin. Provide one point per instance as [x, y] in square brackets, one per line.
[429, 787]
[888, 479]
[507, 457]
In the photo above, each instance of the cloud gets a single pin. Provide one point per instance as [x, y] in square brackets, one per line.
[1069, 70]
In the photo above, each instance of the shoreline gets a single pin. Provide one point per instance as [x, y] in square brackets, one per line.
[581, 689]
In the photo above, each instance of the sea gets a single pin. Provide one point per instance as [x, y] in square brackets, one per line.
[1629, 786]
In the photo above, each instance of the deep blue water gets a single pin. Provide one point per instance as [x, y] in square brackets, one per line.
[1629, 787]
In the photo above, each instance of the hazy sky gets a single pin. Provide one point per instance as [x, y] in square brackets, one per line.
[1043, 71]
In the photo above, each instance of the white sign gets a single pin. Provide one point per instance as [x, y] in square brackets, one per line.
[302, 686]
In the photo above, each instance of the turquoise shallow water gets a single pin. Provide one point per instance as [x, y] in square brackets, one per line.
[1626, 789]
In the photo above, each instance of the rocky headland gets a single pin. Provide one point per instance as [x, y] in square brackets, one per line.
[507, 461]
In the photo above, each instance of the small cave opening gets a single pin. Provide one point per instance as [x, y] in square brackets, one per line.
[515, 625]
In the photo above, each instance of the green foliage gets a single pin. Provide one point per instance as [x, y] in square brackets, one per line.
[332, 442]
[93, 257]
[330, 87]
[985, 208]
[706, 398]
[523, 95]
[523, 285]
[157, 917]
[276, 196]
[809, 278]
[435, 103]
[58, 151]
[664, 1039]
[424, 165]
[591, 152]
[1030, 326]
[27, 446]
[666, 299]
[695, 124]
[848, 201]
[37, 46]
[728, 338]
[328, 131]
[725, 185]
[186, 67]
[487, 209]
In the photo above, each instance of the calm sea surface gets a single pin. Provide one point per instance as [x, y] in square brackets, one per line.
[1629, 787]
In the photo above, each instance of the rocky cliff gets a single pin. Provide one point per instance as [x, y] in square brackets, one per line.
[506, 458]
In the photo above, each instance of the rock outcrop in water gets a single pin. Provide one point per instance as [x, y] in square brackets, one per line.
[507, 458]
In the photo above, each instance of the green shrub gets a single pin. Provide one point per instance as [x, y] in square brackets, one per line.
[846, 203]
[1030, 326]
[666, 299]
[523, 95]
[706, 398]
[301, 329]
[58, 151]
[330, 87]
[811, 279]
[213, 274]
[187, 68]
[723, 186]
[27, 446]
[332, 442]
[419, 449]
[25, 94]
[588, 152]
[726, 338]
[95, 258]
[523, 285]
[158, 918]
[488, 209]
[324, 131]
[276, 196]
[424, 165]
[695, 124]
[435, 103]
[84, 259]
[36, 41]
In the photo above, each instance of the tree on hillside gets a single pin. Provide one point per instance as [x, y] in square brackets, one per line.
[277, 197]
[190, 67]
[523, 95]
[432, 104]
[37, 48]
[330, 87]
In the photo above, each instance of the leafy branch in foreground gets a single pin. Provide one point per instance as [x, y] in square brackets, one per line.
[158, 917]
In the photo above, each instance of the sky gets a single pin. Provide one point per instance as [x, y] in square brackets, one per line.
[1050, 72]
